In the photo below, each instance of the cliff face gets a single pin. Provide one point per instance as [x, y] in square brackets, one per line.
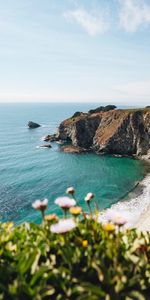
[125, 132]
[81, 130]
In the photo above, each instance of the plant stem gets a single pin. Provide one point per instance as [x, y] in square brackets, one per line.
[43, 214]
[73, 196]
[65, 213]
[89, 206]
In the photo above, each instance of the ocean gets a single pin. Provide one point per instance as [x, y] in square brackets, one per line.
[28, 172]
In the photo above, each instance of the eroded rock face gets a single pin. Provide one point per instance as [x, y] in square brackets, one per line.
[125, 132]
[79, 131]
[50, 138]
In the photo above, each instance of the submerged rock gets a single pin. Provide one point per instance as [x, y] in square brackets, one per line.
[72, 149]
[60, 142]
[33, 124]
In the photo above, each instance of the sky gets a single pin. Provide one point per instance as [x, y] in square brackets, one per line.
[75, 51]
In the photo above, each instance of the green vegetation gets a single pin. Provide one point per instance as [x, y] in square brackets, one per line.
[102, 108]
[89, 262]
[76, 114]
[73, 258]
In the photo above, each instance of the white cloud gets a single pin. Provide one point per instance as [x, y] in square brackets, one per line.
[91, 22]
[137, 90]
[134, 14]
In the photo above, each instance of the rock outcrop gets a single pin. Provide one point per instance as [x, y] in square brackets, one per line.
[121, 131]
[80, 130]
[46, 146]
[33, 125]
[72, 149]
[50, 138]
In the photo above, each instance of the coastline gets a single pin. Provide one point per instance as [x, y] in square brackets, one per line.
[142, 193]
[143, 223]
[137, 203]
[104, 131]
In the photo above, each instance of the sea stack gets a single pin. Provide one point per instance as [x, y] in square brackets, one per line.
[33, 125]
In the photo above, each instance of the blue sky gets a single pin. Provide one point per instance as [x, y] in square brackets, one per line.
[75, 50]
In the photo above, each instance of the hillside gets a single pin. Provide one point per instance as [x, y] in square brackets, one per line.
[120, 131]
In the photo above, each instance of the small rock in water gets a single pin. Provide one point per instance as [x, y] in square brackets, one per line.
[60, 142]
[33, 124]
[50, 138]
[46, 146]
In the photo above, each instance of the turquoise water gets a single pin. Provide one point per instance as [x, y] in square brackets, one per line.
[28, 173]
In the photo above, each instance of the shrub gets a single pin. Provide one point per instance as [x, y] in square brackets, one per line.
[102, 108]
[87, 260]
[77, 114]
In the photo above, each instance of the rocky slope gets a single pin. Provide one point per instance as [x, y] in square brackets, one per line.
[125, 132]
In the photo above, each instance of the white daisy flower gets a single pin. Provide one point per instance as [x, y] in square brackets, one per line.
[63, 226]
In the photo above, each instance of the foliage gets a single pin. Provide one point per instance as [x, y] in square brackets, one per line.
[102, 108]
[92, 261]
[77, 114]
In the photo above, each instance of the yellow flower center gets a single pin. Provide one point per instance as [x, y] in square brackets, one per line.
[51, 217]
[84, 243]
[109, 227]
[75, 210]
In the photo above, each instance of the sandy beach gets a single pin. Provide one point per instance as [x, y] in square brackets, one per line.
[143, 223]
[137, 204]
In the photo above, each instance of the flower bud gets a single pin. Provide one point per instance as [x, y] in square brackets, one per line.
[70, 190]
[88, 197]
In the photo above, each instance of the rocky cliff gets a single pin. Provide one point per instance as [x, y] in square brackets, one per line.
[125, 132]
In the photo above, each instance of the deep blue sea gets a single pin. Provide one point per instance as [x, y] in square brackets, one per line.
[28, 172]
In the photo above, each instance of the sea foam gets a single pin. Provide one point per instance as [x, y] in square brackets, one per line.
[136, 205]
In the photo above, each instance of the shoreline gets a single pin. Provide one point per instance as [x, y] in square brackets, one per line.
[143, 222]
[137, 202]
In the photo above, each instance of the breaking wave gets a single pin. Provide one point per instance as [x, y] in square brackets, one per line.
[136, 204]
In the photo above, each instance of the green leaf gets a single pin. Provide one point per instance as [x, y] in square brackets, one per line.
[135, 295]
